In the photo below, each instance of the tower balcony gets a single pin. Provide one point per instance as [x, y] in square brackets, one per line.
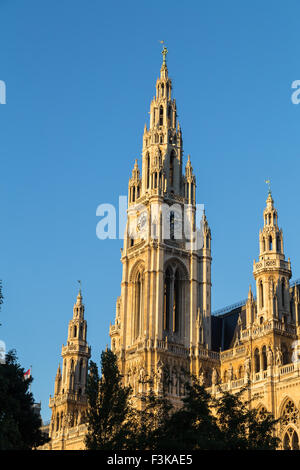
[272, 265]
[67, 397]
[76, 348]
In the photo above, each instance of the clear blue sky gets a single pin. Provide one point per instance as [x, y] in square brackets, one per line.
[80, 76]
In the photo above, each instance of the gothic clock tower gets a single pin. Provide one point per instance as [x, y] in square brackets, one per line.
[163, 316]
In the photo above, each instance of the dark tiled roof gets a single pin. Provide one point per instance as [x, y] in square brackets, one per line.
[224, 325]
[224, 328]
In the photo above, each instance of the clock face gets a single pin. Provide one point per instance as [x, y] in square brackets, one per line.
[142, 221]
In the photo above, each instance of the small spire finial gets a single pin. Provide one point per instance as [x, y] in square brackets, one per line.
[79, 282]
[164, 52]
[268, 182]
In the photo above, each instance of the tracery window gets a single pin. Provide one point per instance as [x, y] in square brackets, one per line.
[173, 301]
[290, 440]
[161, 116]
[138, 305]
[264, 358]
[261, 413]
[290, 414]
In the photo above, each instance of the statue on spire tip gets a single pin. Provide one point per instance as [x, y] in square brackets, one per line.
[268, 182]
[164, 52]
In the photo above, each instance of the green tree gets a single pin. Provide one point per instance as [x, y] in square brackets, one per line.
[228, 422]
[108, 415]
[192, 427]
[241, 425]
[148, 424]
[19, 423]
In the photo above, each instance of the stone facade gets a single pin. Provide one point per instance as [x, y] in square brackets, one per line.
[164, 327]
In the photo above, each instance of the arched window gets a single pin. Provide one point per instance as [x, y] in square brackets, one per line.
[285, 354]
[162, 89]
[240, 372]
[264, 244]
[282, 291]
[57, 421]
[176, 303]
[225, 377]
[80, 371]
[270, 243]
[167, 298]
[138, 305]
[75, 331]
[290, 414]
[261, 294]
[161, 116]
[290, 440]
[278, 248]
[290, 420]
[207, 241]
[264, 358]
[81, 332]
[256, 361]
[173, 301]
[171, 169]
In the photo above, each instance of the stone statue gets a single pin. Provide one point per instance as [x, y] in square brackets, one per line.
[247, 366]
[269, 357]
[230, 372]
[214, 377]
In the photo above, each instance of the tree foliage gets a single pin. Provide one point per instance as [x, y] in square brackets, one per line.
[193, 426]
[203, 422]
[241, 425]
[109, 408]
[19, 423]
[148, 424]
